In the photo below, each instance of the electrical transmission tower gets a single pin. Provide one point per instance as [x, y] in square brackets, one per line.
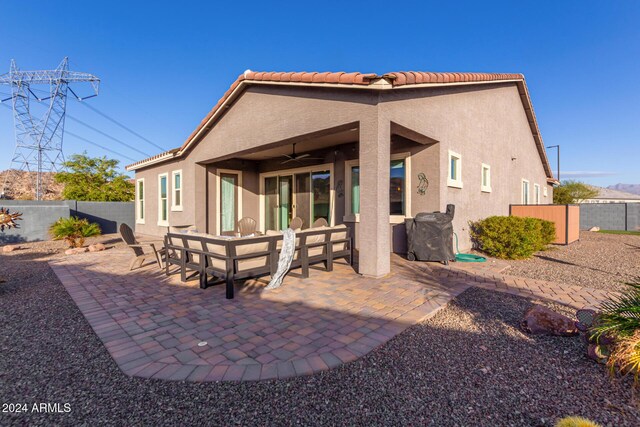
[38, 146]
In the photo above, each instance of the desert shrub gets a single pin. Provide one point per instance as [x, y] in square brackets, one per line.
[576, 422]
[512, 237]
[74, 230]
[620, 314]
[620, 318]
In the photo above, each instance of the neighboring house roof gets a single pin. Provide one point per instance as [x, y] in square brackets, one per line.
[355, 80]
[608, 193]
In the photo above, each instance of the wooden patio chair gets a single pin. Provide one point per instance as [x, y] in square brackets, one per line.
[320, 222]
[140, 255]
[296, 223]
[247, 226]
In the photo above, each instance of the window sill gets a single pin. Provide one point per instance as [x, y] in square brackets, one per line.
[176, 208]
[486, 189]
[454, 184]
[163, 224]
[139, 221]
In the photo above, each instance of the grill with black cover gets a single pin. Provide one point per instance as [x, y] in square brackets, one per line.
[430, 236]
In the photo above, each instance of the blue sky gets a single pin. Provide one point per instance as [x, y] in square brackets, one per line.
[163, 66]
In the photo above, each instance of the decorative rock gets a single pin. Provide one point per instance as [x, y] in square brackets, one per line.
[97, 247]
[586, 317]
[10, 248]
[540, 320]
[598, 353]
[594, 229]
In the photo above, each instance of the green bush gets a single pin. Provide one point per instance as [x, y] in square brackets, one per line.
[74, 230]
[512, 237]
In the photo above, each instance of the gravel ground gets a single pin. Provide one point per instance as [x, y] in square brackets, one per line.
[467, 365]
[597, 260]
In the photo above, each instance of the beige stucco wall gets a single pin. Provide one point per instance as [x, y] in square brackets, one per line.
[483, 123]
[150, 175]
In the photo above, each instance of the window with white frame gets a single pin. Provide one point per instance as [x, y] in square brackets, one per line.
[536, 194]
[163, 199]
[485, 185]
[140, 201]
[525, 192]
[399, 196]
[454, 178]
[176, 186]
[544, 192]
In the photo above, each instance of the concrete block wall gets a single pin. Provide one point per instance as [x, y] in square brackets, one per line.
[37, 217]
[633, 216]
[610, 216]
[35, 223]
[109, 215]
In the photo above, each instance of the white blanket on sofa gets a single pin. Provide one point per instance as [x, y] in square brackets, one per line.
[286, 256]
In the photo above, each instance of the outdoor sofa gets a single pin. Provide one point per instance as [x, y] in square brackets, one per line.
[230, 259]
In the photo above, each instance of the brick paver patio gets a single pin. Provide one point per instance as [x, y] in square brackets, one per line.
[157, 327]
[493, 275]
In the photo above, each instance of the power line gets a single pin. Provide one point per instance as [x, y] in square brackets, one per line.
[88, 141]
[99, 146]
[107, 135]
[113, 121]
[94, 109]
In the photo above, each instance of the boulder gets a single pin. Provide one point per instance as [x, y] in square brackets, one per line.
[594, 229]
[97, 247]
[10, 248]
[540, 320]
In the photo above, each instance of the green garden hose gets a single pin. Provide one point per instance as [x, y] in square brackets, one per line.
[467, 257]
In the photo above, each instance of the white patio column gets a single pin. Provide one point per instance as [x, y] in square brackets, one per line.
[374, 232]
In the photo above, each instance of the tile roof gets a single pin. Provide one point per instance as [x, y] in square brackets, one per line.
[402, 78]
[360, 80]
[305, 77]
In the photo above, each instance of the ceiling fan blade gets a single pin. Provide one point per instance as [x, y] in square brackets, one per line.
[289, 160]
[302, 156]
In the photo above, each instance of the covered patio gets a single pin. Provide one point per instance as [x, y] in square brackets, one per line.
[332, 175]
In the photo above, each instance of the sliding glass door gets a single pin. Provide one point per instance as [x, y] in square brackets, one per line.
[228, 202]
[321, 182]
[271, 203]
[301, 194]
[303, 198]
[285, 211]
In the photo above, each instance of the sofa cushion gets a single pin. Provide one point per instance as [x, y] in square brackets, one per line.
[216, 247]
[249, 248]
[339, 232]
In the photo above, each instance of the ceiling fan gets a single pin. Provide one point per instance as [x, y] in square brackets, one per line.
[297, 158]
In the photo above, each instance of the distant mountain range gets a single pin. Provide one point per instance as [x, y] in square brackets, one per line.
[627, 188]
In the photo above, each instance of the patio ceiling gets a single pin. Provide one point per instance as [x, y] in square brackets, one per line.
[324, 139]
[315, 144]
